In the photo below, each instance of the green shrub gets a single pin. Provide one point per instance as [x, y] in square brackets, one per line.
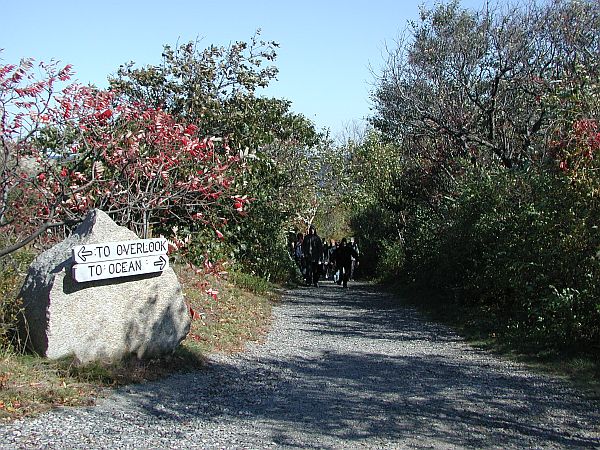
[251, 283]
[391, 261]
[375, 229]
[422, 247]
[13, 269]
[522, 246]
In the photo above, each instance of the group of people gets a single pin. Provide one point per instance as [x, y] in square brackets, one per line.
[336, 261]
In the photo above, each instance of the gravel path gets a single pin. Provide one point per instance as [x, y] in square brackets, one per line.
[340, 369]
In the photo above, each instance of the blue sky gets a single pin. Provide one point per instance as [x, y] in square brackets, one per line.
[327, 48]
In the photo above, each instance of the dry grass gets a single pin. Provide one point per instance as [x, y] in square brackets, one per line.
[225, 323]
[30, 384]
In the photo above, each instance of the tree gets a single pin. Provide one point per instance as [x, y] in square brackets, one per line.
[473, 80]
[216, 89]
[493, 116]
[66, 151]
[26, 106]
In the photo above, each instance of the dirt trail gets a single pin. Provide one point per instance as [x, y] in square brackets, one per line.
[339, 369]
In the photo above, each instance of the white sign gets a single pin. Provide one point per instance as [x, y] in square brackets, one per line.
[100, 270]
[108, 251]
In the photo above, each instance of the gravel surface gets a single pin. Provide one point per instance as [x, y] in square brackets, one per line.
[339, 369]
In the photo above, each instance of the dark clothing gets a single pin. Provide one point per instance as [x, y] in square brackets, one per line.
[344, 254]
[343, 260]
[299, 257]
[313, 272]
[312, 247]
[353, 270]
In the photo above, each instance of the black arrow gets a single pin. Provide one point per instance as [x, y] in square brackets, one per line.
[82, 253]
[162, 262]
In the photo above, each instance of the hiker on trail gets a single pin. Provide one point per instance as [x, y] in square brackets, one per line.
[329, 262]
[354, 245]
[333, 269]
[343, 261]
[312, 248]
[323, 269]
[298, 253]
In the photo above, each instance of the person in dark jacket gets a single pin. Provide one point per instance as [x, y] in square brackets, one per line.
[298, 254]
[312, 247]
[343, 260]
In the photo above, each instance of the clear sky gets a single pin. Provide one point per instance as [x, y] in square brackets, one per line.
[327, 48]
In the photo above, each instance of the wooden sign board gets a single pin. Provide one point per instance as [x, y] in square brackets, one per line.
[119, 259]
[109, 251]
[101, 270]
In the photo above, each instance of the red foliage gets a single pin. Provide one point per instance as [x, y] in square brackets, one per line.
[66, 151]
[575, 148]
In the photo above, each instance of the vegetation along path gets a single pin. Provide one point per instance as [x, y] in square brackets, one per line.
[339, 369]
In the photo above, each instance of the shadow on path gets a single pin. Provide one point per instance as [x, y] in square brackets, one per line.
[354, 367]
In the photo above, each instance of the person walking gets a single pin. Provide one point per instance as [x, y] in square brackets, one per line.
[330, 260]
[299, 254]
[335, 270]
[312, 248]
[353, 271]
[324, 268]
[343, 260]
